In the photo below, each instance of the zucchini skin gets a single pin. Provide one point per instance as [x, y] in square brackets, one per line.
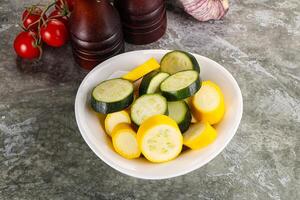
[183, 93]
[106, 107]
[146, 82]
[194, 61]
[185, 124]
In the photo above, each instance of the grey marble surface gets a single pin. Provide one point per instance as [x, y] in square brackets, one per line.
[43, 156]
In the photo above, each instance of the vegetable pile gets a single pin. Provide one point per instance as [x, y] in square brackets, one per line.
[171, 107]
[43, 25]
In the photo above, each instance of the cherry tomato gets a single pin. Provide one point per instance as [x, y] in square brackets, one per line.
[54, 33]
[30, 18]
[61, 5]
[58, 14]
[26, 46]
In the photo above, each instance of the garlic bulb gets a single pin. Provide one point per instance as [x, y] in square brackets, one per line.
[204, 10]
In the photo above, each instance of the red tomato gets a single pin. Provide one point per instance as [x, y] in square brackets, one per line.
[26, 46]
[32, 16]
[59, 5]
[54, 33]
[57, 14]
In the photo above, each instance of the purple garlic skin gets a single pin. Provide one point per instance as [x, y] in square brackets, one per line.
[204, 10]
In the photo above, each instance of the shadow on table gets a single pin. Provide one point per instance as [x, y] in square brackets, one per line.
[57, 63]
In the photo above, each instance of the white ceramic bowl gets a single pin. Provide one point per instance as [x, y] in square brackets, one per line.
[94, 135]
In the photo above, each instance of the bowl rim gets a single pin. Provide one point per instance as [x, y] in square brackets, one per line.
[197, 165]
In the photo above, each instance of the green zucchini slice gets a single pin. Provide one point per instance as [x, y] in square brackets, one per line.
[179, 111]
[180, 85]
[112, 96]
[151, 82]
[147, 106]
[176, 61]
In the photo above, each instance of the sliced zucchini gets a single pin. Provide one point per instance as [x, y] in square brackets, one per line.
[180, 85]
[125, 141]
[176, 61]
[159, 139]
[141, 70]
[151, 82]
[179, 111]
[146, 106]
[113, 119]
[199, 135]
[112, 96]
[208, 103]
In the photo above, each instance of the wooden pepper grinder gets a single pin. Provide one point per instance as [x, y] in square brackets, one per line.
[96, 32]
[143, 21]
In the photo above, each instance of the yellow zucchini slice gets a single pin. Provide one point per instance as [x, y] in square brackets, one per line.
[160, 139]
[114, 119]
[199, 135]
[208, 103]
[142, 70]
[125, 142]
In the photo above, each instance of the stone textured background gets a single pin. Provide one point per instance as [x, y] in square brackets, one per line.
[43, 156]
